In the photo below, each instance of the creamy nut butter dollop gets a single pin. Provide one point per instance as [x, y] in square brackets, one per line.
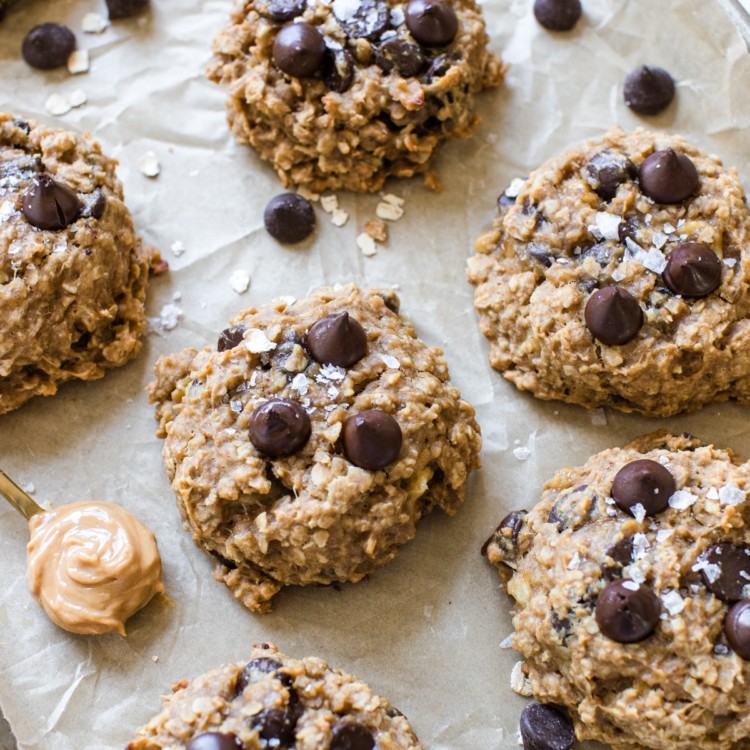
[91, 565]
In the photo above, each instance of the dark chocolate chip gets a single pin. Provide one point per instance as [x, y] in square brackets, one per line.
[126, 8]
[277, 726]
[49, 204]
[93, 204]
[573, 509]
[368, 21]
[601, 252]
[438, 68]
[613, 315]
[643, 482]
[628, 229]
[254, 670]
[606, 171]
[338, 70]
[22, 125]
[351, 735]
[405, 57]
[737, 628]
[545, 726]
[337, 339]
[433, 23]
[289, 217]
[214, 741]
[372, 439]
[279, 427]
[280, 11]
[648, 90]
[299, 50]
[48, 46]
[557, 15]
[504, 200]
[621, 555]
[668, 176]
[539, 254]
[729, 571]
[506, 534]
[230, 337]
[627, 612]
[693, 270]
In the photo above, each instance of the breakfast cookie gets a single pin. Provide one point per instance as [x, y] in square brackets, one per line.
[631, 580]
[305, 446]
[346, 93]
[73, 274]
[276, 701]
[615, 275]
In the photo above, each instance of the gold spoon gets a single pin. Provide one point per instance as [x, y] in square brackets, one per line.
[17, 497]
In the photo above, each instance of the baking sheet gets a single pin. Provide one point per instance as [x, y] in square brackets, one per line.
[425, 631]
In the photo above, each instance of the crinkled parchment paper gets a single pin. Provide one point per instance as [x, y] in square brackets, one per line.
[425, 630]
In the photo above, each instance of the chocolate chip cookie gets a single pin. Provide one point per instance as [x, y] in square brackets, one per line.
[631, 580]
[343, 94]
[73, 273]
[617, 275]
[276, 701]
[306, 445]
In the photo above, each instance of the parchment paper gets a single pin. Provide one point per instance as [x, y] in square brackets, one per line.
[425, 630]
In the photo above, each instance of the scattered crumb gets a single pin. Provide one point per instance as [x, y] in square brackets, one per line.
[155, 658]
[177, 296]
[367, 244]
[239, 281]
[377, 229]
[149, 165]
[93, 23]
[389, 211]
[507, 642]
[339, 217]
[29, 487]
[329, 203]
[78, 62]
[177, 248]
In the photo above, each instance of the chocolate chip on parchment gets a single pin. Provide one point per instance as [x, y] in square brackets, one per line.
[693, 270]
[433, 23]
[49, 204]
[727, 571]
[48, 46]
[126, 8]
[368, 21]
[337, 339]
[557, 15]
[214, 741]
[299, 50]
[289, 217]
[545, 726]
[613, 315]
[648, 90]
[279, 427]
[372, 439]
[643, 482]
[737, 628]
[352, 735]
[668, 176]
[627, 612]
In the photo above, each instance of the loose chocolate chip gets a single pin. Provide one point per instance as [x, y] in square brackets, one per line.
[289, 217]
[277, 726]
[668, 176]
[606, 171]
[214, 741]
[299, 50]
[433, 23]
[368, 21]
[627, 612]
[727, 572]
[621, 555]
[557, 15]
[737, 628]
[280, 11]
[404, 56]
[279, 427]
[230, 337]
[643, 482]
[693, 270]
[351, 735]
[338, 70]
[506, 534]
[48, 46]
[255, 667]
[372, 439]
[648, 90]
[49, 204]
[337, 340]
[126, 8]
[545, 726]
[613, 315]
[93, 204]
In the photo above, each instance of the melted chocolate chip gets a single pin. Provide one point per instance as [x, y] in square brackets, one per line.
[627, 612]
[668, 176]
[606, 171]
[613, 315]
[628, 229]
[737, 628]
[601, 252]
[50, 204]
[126, 8]
[351, 735]
[299, 50]
[506, 534]
[337, 340]
[573, 509]
[727, 572]
[230, 337]
[372, 439]
[279, 427]
[254, 670]
[621, 555]
[289, 217]
[369, 20]
[648, 90]
[545, 726]
[280, 11]
[433, 23]
[277, 726]
[48, 46]
[338, 70]
[214, 741]
[643, 482]
[557, 15]
[93, 204]
[438, 68]
[405, 57]
[693, 270]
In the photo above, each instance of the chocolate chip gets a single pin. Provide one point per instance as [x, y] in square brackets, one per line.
[433, 23]
[299, 50]
[214, 741]
[338, 70]
[372, 439]
[93, 204]
[279, 427]
[230, 337]
[558, 15]
[254, 670]
[643, 482]
[628, 229]
[668, 176]
[337, 340]
[280, 11]
[613, 315]
[539, 254]
[648, 90]
[126, 8]
[277, 726]
[351, 735]
[438, 68]
[601, 252]
[49, 204]
[404, 56]
[573, 509]
[506, 534]
[728, 571]
[48, 46]
[737, 628]
[368, 21]
[545, 726]
[606, 171]
[289, 217]
[621, 555]
[693, 270]
[627, 612]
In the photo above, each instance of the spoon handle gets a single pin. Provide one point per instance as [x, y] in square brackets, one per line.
[19, 499]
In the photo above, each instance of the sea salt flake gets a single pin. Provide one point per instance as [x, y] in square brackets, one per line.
[731, 494]
[711, 570]
[640, 546]
[29, 487]
[637, 576]
[93, 23]
[574, 562]
[389, 211]
[507, 642]
[236, 406]
[515, 187]
[730, 262]
[300, 383]
[638, 511]
[521, 453]
[663, 534]
[345, 10]
[239, 280]
[673, 602]
[169, 316]
[6, 210]
[177, 248]
[713, 493]
[329, 203]
[668, 228]
[149, 165]
[659, 239]
[330, 372]
[57, 105]
[720, 649]
[631, 585]
[339, 217]
[367, 244]
[78, 62]
[682, 499]
[332, 391]
[390, 361]
[608, 225]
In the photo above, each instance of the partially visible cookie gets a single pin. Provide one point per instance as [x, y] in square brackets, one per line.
[631, 580]
[306, 445]
[274, 701]
[344, 94]
[617, 275]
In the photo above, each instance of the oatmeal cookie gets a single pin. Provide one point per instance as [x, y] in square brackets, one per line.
[306, 446]
[631, 580]
[346, 93]
[617, 275]
[73, 274]
[276, 701]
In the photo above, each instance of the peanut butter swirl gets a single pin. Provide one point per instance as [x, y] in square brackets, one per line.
[91, 565]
